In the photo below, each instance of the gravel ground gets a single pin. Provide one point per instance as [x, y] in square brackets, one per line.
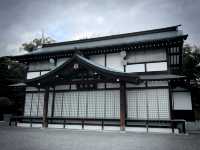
[65, 139]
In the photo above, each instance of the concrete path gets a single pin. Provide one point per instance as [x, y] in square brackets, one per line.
[64, 139]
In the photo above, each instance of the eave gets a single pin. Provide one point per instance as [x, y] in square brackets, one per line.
[149, 44]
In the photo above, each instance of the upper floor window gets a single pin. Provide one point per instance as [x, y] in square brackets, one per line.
[31, 75]
[147, 67]
[135, 68]
[158, 66]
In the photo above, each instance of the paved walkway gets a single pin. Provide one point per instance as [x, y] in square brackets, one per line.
[63, 139]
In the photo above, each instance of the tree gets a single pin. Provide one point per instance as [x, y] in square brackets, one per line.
[191, 69]
[191, 62]
[36, 43]
[11, 72]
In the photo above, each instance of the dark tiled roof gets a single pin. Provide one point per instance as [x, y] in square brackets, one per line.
[113, 40]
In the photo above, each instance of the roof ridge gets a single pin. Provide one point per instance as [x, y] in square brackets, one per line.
[115, 36]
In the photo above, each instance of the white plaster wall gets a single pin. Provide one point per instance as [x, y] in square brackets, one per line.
[155, 55]
[40, 65]
[98, 59]
[182, 100]
[114, 61]
[145, 56]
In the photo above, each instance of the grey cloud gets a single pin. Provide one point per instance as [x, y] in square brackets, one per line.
[23, 20]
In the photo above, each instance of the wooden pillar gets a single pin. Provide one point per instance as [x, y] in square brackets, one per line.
[122, 105]
[53, 102]
[45, 108]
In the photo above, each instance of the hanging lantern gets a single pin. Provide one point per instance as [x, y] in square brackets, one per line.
[76, 66]
[51, 61]
[123, 54]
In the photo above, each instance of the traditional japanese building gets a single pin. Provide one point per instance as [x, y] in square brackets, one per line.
[113, 80]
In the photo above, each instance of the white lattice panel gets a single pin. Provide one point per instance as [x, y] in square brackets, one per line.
[132, 104]
[34, 104]
[74, 104]
[142, 104]
[100, 102]
[152, 97]
[58, 104]
[82, 104]
[163, 103]
[66, 104]
[91, 104]
[109, 105]
[112, 104]
[50, 104]
[27, 106]
[40, 104]
[148, 104]
[116, 97]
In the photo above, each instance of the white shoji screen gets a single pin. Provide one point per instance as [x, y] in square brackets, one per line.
[66, 104]
[91, 104]
[100, 103]
[112, 103]
[40, 104]
[148, 104]
[74, 103]
[58, 104]
[34, 104]
[82, 104]
[27, 106]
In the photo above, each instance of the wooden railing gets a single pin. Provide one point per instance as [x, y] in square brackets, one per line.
[173, 124]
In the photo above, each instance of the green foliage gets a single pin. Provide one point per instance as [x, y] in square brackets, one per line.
[11, 72]
[5, 102]
[191, 62]
[36, 43]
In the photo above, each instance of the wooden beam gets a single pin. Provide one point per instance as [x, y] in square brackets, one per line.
[45, 108]
[122, 105]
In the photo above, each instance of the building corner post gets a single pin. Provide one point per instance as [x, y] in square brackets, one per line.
[122, 105]
[45, 108]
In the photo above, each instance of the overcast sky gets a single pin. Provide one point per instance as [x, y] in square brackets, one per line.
[23, 20]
